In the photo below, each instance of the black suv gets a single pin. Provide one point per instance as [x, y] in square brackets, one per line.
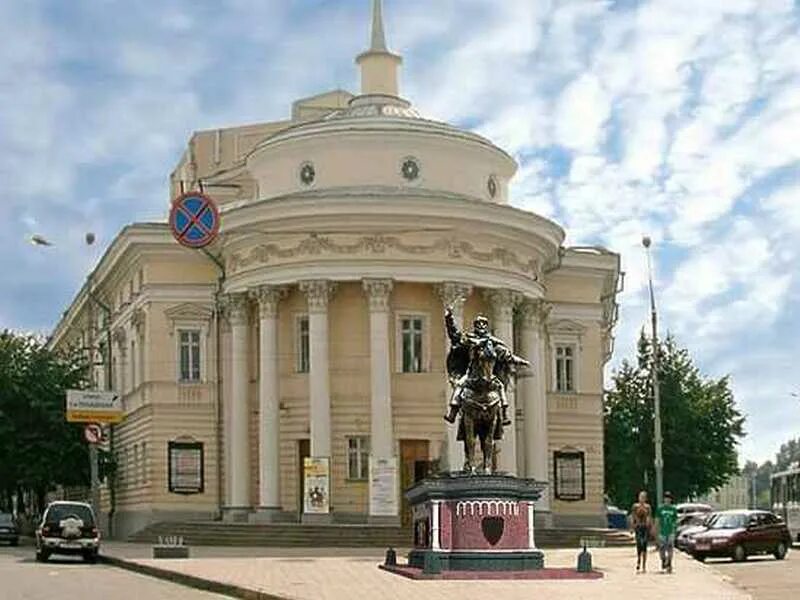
[8, 529]
[68, 528]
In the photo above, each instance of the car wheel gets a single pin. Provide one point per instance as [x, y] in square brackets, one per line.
[42, 555]
[90, 557]
[780, 551]
[699, 557]
[14, 542]
[739, 554]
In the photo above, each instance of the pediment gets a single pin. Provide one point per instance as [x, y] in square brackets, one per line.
[189, 311]
[566, 327]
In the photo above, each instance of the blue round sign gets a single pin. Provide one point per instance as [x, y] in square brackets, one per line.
[194, 220]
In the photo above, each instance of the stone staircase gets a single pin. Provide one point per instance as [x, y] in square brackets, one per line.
[215, 533]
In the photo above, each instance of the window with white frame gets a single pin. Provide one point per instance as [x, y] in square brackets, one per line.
[302, 344]
[189, 350]
[358, 457]
[412, 346]
[565, 368]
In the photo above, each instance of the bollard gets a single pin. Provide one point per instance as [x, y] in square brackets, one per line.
[391, 558]
[585, 561]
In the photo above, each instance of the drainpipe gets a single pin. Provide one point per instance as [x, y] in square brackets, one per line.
[218, 332]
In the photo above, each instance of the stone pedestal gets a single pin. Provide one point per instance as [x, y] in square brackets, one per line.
[475, 523]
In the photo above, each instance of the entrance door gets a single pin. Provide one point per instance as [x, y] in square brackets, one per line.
[414, 466]
[303, 450]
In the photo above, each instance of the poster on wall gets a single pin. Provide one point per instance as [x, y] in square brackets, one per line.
[570, 475]
[316, 473]
[383, 487]
[185, 460]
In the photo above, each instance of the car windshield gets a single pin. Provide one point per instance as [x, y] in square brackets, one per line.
[6, 518]
[732, 521]
[58, 512]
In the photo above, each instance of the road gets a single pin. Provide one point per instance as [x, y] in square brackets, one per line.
[22, 578]
[763, 576]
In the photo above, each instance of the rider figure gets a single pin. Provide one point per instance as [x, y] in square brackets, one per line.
[480, 373]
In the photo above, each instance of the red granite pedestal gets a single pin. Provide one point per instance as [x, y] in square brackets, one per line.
[480, 523]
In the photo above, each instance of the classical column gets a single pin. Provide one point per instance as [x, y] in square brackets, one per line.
[454, 295]
[533, 395]
[269, 490]
[502, 303]
[378, 292]
[236, 442]
[318, 293]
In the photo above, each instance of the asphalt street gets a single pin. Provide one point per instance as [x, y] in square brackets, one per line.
[68, 578]
[763, 576]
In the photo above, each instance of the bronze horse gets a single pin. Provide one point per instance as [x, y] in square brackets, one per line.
[480, 367]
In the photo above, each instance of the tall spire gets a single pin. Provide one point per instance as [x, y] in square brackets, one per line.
[378, 65]
[378, 36]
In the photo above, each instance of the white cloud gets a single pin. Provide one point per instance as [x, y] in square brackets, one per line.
[581, 114]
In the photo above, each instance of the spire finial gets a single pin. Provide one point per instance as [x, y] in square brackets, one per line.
[378, 36]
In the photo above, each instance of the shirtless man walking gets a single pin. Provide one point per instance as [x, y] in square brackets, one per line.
[641, 523]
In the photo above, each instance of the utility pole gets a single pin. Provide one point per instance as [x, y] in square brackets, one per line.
[659, 462]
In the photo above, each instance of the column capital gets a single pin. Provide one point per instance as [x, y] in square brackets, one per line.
[268, 298]
[454, 293]
[502, 302]
[378, 292]
[318, 292]
[533, 313]
[235, 306]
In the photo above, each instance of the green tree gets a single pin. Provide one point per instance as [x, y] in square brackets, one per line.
[788, 455]
[701, 426]
[38, 448]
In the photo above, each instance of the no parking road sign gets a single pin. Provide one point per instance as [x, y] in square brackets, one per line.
[194, 220]
[93, 433]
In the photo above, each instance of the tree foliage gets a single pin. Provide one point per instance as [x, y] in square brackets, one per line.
[701, 426]
[38, 448]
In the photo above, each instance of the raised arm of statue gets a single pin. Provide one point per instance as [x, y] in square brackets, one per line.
[452, 329]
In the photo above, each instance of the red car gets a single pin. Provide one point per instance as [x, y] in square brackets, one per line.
[740, 533]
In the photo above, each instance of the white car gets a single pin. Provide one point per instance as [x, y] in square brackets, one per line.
[691, 524]
[68, 528]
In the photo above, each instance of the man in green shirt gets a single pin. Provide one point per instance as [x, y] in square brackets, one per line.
[667, 516]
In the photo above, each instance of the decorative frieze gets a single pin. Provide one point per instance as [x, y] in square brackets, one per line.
[378, 293]
[315, 245]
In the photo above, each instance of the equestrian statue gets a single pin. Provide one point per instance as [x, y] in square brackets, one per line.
[480, 367]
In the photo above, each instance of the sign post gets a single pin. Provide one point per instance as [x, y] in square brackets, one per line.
[92, 407]
[88, 406]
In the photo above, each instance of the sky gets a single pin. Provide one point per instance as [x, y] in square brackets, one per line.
[679, 119]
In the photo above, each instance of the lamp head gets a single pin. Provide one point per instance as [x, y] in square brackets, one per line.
[646, 241]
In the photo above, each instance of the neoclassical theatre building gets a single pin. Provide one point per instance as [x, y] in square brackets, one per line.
[313, 325]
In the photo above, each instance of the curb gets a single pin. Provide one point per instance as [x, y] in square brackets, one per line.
[206, 585]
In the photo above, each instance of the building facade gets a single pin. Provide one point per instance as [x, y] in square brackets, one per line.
[313, 326]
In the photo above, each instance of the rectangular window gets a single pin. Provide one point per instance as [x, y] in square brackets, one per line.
[190, 355]
[565, 369]
[134, 358]
[358, 458]
[303, 362]
[411, 331]
[144, 462]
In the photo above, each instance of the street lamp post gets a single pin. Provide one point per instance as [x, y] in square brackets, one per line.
[659, 462]
[94, 471]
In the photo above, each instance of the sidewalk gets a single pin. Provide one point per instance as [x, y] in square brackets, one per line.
[352, 574]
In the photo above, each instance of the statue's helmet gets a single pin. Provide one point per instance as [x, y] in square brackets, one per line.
[481, 324]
